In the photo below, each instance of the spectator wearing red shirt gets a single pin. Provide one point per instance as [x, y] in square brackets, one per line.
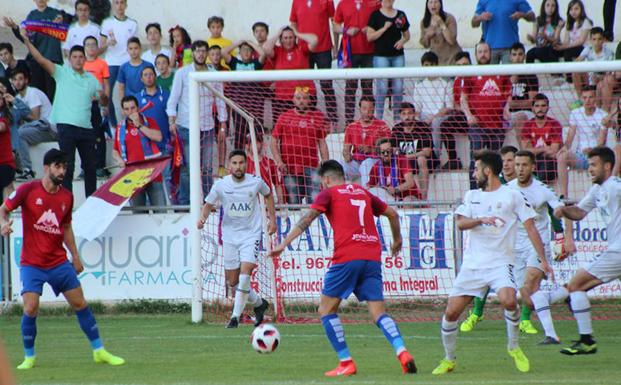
[543, 136]
[297, 137]
[482, 99]
[290, 55]
[135, 140]
[316, 17]
[269, 171]
[359, 152]
[7, 160]
[392, 178]
[351, 18]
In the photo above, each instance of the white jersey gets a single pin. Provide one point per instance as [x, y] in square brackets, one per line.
[607, 198]
[538, 195]
[121, 30]
[487, 246]
[240, 204]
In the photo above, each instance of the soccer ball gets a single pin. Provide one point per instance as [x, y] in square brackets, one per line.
[265, 338]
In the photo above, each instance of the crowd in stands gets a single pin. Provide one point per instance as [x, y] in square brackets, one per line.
[64, 92]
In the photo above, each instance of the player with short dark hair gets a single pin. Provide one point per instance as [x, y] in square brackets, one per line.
[46, 215]
[490, 214]
[605, 194]
[356, 263]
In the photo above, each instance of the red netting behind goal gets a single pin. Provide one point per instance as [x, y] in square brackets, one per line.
[417, 156]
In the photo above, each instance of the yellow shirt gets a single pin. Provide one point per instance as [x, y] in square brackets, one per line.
[222, 42]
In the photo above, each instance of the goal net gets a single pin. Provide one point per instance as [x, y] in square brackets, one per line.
[411, 148]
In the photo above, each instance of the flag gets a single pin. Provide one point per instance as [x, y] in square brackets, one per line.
[100, 209]
[344, 55]
[176, 148]
[56, 30]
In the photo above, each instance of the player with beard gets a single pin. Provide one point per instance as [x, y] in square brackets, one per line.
[46, 215]
[489, 217]
[242, 224]
[605, 194]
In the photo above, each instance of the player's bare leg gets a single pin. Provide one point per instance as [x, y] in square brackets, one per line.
[389, 327]
[582, 282]
[541, 304]
[454, 308]
[239, 281]
[508, 301]
[29, 328]
[88, 324]
[336, 335]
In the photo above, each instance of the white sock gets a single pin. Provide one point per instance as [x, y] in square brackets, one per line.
[542, 307]
[558, 295]
[241, 295]
[581, 307]
[449, 338]
[254, 299]
[513, 327]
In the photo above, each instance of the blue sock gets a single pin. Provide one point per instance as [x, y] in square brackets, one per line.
[89, 327]
[335, 333]
[391, 332]
[29, 333]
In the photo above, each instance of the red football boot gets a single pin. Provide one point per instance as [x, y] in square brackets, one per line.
[345, 368]
[407, 362]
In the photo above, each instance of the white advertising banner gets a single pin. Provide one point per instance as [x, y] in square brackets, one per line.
[138, 256]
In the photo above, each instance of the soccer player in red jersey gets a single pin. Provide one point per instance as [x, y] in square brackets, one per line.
[46, 215]
[356, 263]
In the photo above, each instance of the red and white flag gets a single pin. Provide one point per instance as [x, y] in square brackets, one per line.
[100, 209]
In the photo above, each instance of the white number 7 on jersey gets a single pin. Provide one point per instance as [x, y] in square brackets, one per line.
[361, 204]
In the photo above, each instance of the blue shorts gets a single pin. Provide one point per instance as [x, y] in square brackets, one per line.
[61, 278]
[361, 277]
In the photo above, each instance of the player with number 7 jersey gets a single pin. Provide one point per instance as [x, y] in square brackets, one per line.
[356, 263]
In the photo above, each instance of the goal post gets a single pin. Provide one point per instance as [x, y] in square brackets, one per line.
[427, 220]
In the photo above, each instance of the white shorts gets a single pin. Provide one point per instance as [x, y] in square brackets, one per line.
[236, 253]
[528, 258]
[474, 282]
[606, 266]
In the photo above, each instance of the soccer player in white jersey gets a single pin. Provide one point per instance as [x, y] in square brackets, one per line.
[605, 194]
[528, 271]
[489, 217]
[241, 231]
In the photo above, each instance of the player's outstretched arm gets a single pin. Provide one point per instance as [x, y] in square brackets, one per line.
[574, 213]
[207, 208]
[69, 240]
[303, 224]
[5, 223]
[395, 229]
[535, 238]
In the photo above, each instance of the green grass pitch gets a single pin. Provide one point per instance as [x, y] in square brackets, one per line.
[169, 350]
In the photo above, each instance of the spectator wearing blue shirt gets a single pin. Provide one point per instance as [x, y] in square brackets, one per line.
[499, 19]
[130, 73]
[158, 96]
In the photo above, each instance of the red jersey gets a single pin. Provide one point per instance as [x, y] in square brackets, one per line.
[299, 135]
[269, 171]
[6, 155]
[486, 97]
[351, 211]
[313, 16]
[44, 216]
[551, 132]
[296, 59]
[356, 13]
[393, 175]
[360, 136]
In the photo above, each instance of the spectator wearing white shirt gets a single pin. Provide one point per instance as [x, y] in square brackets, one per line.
[81, 28]
[115, 32]
[604, 82]
[36, 127]
[433, 99]
[154, 37]
[586, 126]
[178, 110]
